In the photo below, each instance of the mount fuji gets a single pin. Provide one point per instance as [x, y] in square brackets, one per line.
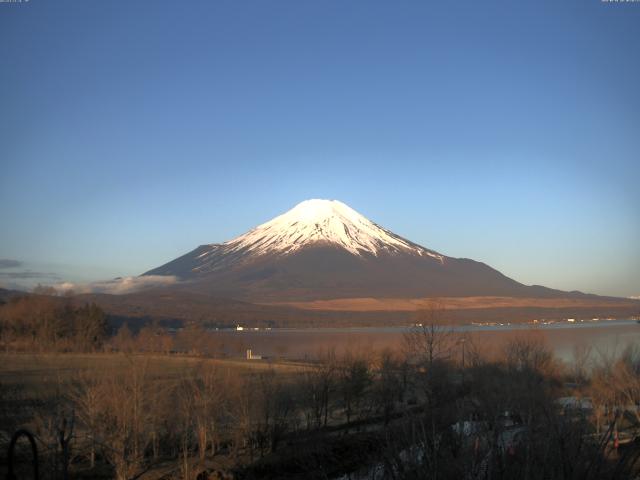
[323, 249]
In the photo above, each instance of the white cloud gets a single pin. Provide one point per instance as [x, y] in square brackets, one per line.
[118, 286]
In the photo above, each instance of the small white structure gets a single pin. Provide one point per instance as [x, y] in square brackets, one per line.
[251, 356]
[239, 328]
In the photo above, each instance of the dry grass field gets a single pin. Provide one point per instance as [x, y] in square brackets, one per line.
[452, 303]
[44, 371]
[37, 391]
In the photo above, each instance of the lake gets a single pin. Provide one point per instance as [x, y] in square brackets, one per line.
[606, 337]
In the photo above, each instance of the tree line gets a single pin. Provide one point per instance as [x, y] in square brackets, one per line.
[391, 414]
[46, 323]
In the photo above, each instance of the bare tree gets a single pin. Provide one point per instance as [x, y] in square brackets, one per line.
[193, 338]
[431, 338]
[389, 386]
[123, 340]
[580, 362]
[116, 406]
[86, 394]
[624, 382]
[354, 378]
[55, 428]
[273, 410]
[318, 385]
[204, 392]
[530, 352]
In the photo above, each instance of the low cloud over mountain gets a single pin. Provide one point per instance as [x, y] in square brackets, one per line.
[118, 286]
[7, 263]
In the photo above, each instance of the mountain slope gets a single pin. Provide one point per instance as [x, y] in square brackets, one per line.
[323, 249]
[312, 223]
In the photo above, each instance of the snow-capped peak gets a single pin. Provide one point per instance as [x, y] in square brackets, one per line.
[323, 221]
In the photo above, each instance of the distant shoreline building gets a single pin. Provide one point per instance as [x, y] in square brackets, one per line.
[251, 356]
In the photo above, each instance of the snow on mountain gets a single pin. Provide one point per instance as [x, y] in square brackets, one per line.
[328, 221]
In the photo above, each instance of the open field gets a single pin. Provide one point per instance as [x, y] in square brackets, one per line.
[38, 391]
[453, 303]
[48, 369]
[182, 307]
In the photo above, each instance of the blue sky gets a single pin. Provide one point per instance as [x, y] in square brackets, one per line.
[507, 132]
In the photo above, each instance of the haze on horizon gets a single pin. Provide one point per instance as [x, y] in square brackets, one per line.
[132, 132]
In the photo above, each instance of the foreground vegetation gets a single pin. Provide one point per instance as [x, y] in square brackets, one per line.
[442, 407]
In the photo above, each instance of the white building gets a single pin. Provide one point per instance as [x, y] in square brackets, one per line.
[251, 356]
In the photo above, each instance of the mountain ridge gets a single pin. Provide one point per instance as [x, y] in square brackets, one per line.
[323, 249]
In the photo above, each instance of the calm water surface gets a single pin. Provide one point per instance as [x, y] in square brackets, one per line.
[606, 337]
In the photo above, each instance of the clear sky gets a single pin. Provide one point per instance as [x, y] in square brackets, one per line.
[507, 132]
